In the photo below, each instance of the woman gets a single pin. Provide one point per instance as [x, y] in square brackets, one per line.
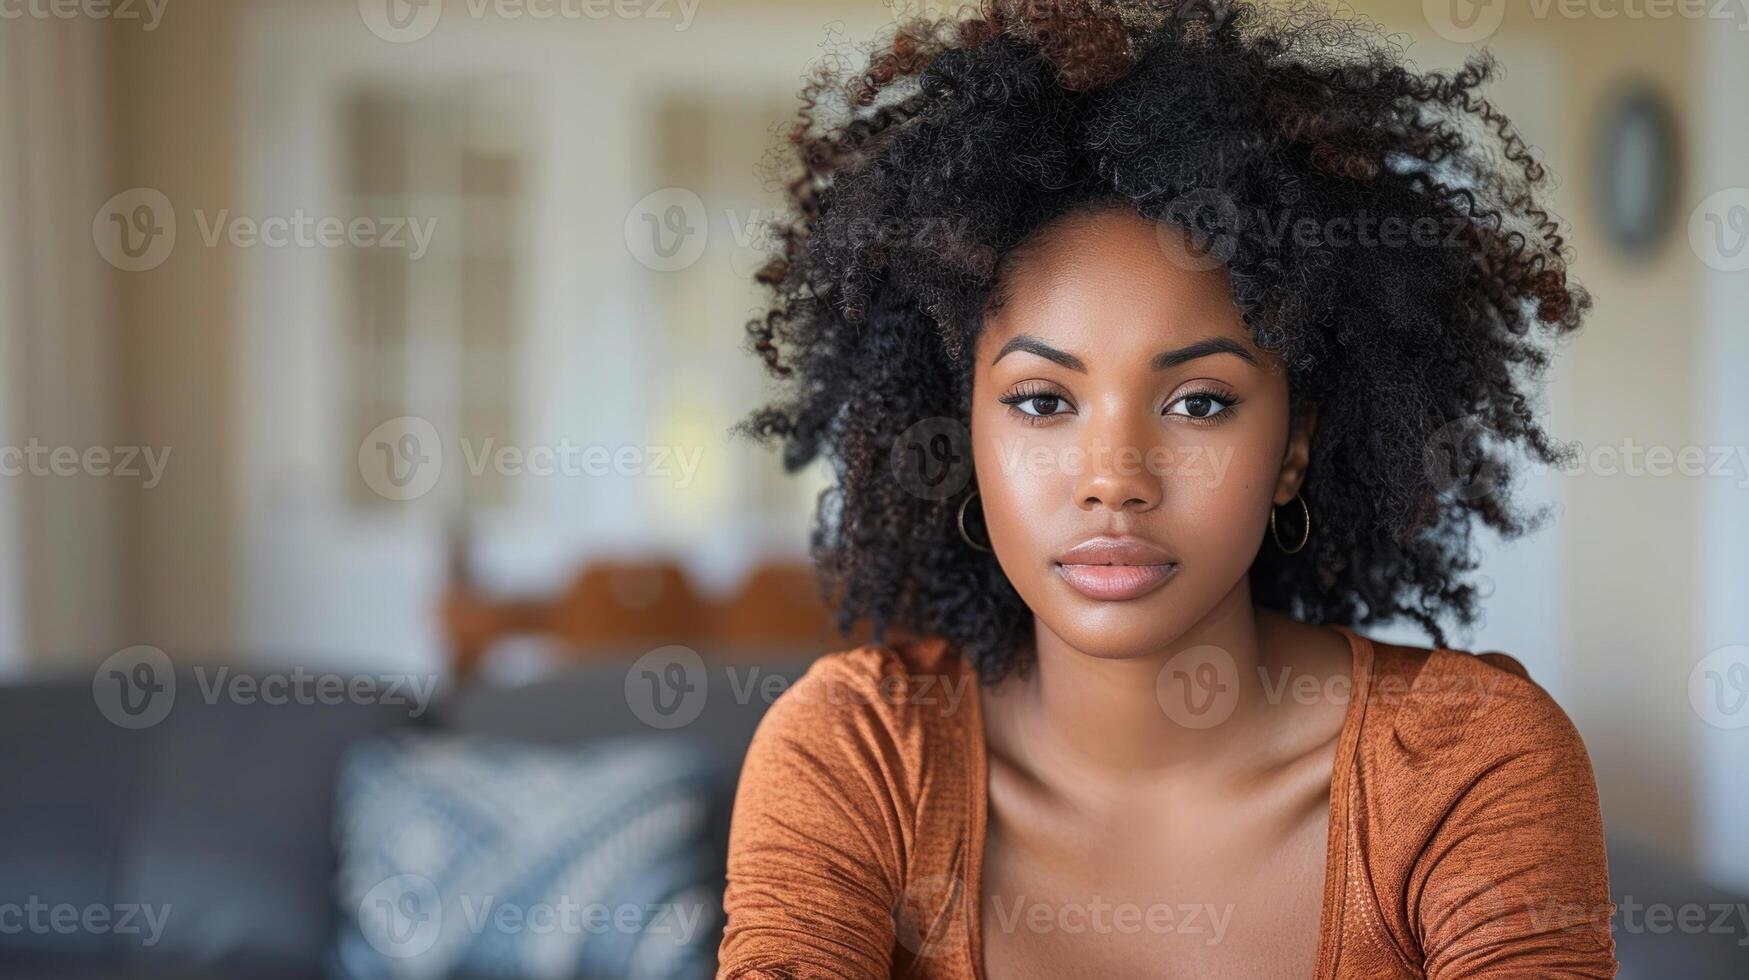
[1157, 347]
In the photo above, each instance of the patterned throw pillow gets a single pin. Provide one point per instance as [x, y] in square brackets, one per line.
[475, 856]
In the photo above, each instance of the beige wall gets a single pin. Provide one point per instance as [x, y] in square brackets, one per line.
[1634, 555]
[57, 360]
[174, 119]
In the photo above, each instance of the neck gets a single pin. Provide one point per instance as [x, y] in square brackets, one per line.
[1193, 704]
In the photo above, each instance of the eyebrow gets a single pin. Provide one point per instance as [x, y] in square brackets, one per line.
[1161, 361]
[1202, 348]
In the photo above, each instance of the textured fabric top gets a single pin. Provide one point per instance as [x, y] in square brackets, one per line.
[1465, 834]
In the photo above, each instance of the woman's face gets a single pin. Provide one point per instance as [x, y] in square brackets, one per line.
[1129, 437]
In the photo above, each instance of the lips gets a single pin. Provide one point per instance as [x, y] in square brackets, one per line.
[1113, 569]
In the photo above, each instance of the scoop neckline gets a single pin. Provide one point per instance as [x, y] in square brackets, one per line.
[1360, 649]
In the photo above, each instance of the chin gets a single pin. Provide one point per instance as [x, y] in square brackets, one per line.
[1119, 631]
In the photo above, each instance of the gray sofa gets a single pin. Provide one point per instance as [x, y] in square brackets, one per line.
[222, 812]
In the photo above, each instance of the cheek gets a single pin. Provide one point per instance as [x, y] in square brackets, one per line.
[1218, 498]
[1023, 471]
[1026, 493]
[1220, 483]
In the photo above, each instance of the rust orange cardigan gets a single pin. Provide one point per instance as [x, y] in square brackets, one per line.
[1465, 835]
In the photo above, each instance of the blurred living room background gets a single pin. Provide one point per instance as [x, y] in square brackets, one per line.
[400, 339]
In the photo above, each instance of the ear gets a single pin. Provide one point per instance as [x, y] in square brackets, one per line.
[1298, 455]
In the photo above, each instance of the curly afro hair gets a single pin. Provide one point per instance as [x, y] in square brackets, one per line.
[922, 172]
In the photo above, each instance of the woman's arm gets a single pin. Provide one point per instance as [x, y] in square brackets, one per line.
[1514, 881]
[816, 840]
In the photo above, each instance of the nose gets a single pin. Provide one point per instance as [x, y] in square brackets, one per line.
[1114, 471]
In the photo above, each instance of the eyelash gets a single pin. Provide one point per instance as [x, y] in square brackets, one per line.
[1028, 392]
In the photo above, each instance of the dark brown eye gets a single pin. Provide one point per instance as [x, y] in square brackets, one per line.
[1200, 406]
[1037, 402]
[1041, 405]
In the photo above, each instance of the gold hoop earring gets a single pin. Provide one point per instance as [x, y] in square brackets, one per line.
[1307, 536]
[962, 522]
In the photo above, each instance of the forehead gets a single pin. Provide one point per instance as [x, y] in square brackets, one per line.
[1113, 283]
